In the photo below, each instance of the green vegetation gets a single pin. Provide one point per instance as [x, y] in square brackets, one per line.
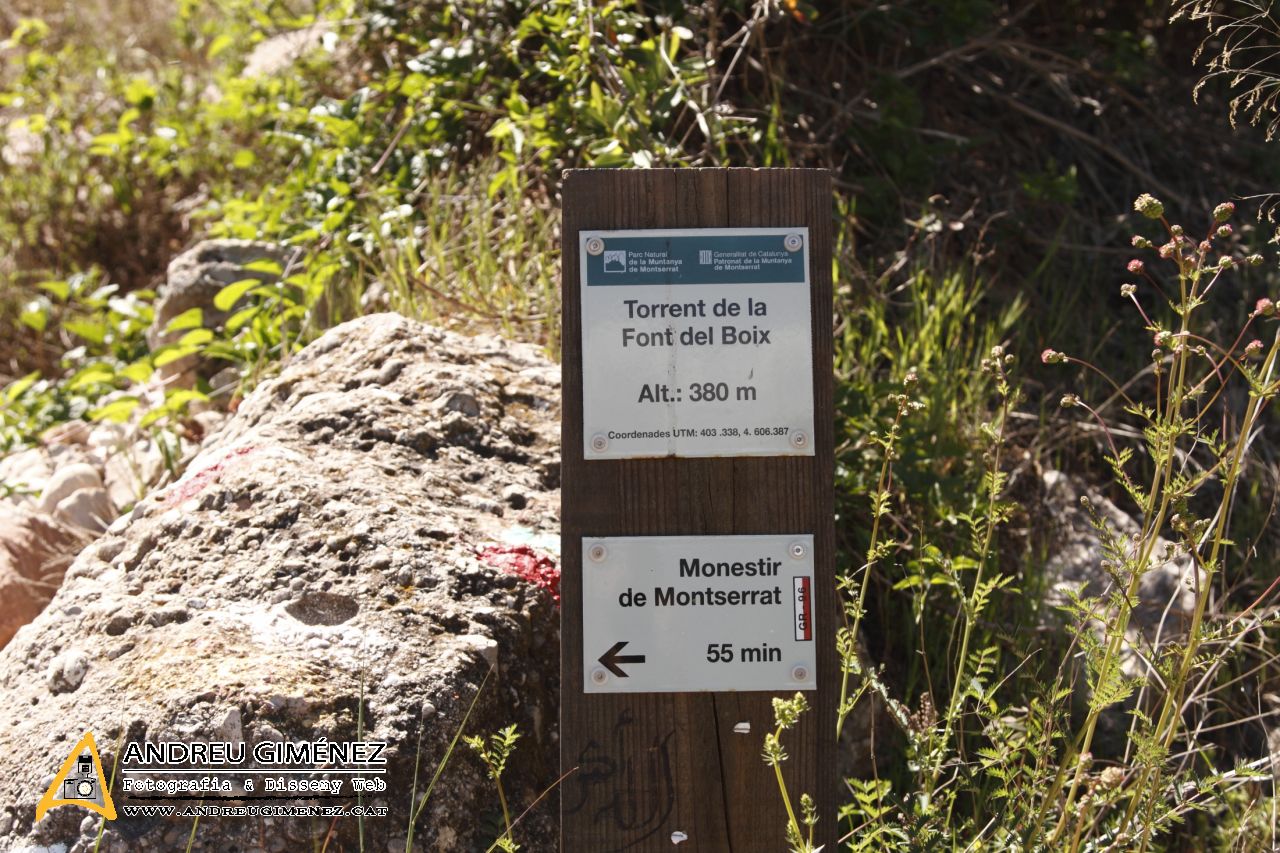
[986, 156]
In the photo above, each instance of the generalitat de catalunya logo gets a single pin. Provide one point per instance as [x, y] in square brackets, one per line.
[80, 782]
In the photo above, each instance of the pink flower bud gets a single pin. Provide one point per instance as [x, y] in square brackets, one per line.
[1162, 338]
[1135, 266]
[1253, 349]
[1265, 308]
[1205, 247]
[1223, 212]
[1224, 231]
[1167, 250]
[1051, 356]
[1140, 242]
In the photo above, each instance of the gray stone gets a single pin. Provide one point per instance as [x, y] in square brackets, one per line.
[67, 672]
[24, 475]
[67, 480]
[1166, 594]
[88, 509]
[1077, 564]
[193, 279]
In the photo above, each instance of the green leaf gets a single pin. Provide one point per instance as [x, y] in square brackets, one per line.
[265, 265]
[168, 355]
[218, 45]
[18, 387]
[35, 316]
[192, 318]
[177, 400]
[138, 372]
[59, 290]
[91, 375]
[95, 332]
[238, 319]
[232, 293]
[117, 411]
[195, 338]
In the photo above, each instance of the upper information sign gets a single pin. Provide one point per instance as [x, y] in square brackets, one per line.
[696, 342]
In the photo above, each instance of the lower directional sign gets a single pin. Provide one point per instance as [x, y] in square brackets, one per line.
[698, 613]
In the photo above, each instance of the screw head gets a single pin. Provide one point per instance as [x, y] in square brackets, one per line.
[797, 550]
[595, 246]
[597, 553]
[599, 443]
[799, 673]
[799, 439]
[599, 676]
[793, 242]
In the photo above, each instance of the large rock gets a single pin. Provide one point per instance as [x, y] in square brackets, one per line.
[326, 545]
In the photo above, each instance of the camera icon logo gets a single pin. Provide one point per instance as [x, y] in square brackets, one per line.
[79, 789]
[79, 782]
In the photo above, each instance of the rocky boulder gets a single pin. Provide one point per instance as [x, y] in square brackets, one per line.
[324, 568]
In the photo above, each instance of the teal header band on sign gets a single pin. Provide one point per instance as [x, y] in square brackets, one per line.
[699, 259]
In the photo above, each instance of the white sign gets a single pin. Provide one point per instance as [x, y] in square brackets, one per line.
[696, 342]
[684, 614]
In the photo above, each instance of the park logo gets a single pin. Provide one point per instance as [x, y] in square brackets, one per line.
[80, 782]
[615, 260]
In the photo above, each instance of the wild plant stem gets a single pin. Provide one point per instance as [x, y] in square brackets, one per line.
[506, 812]
[1170, 708]
[782, 787]
[882, 485]
[971, 617]
[1116, 641]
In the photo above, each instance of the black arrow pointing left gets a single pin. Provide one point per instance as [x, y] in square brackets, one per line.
[611, 659]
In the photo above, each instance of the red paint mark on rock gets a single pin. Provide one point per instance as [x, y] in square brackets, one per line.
[526, 563]
[202, 479]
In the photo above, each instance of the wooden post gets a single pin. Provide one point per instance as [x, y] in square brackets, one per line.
[649, 768]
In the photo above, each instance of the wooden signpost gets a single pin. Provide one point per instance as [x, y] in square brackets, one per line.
[697, 507]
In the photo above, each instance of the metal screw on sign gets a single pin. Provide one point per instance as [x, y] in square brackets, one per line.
[799, 673]
[797, 550]
[599, 443]
[793, 242]
[595, 246]
[599, 676]
[799, 439]
[597, 553]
